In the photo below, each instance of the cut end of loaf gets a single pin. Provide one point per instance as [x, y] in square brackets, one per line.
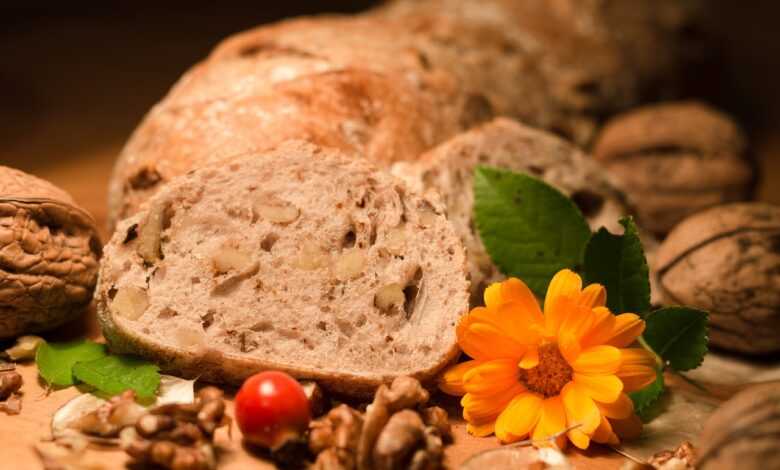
[300, 259]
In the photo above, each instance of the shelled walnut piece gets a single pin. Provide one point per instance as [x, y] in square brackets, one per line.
[674, 159]
[396, 432]
[10, 398]
[681, 458]
[178, 436]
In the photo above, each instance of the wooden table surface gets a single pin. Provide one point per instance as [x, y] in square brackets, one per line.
[70, 93]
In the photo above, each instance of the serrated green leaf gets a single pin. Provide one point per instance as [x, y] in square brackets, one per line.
[55, 360]
[678, 335]
[530, 229]
[618, 263]
[115, 374]
[645, 398]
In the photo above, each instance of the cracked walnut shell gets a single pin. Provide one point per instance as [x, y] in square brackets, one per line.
[674, 159]
[726, 260]
[49, 250]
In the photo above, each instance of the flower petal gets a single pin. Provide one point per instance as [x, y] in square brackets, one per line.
[490, 376]
[530, 358]
[638, 368]
[513, 321]
[621, 408]
[580, 409]
[628, 327]
[451, 381]
[602, 388]
[552, 419]
[481, 430]
[480, 408]
[492, 295]
[604, 433]
[603, 322]
[484, 340]
[598, 360]
[565, 283]
[519, 417]
[515, 290]
[595, 295]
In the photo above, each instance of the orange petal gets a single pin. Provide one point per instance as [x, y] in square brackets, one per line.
[480, 408]
[492, 295]
[622, 408]
[481, 430]
[580, 409]
[604, 433]
[598, 360]
[638, 368]
[515, 290]
[489, 376]
[595, 295]
[603, 388]
[512, 320]
[629, 428]
[552, 420]
[628, 327]
[451, 381]
[568, 318]
[530, 358]
[483, 340]
[565, 283]
[602, 324]
[519, 417]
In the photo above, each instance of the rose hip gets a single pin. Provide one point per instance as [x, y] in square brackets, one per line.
[272, 408]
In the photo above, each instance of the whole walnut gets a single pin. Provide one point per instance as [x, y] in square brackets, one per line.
[49, 250]
[674, 159]
[743, 432]
[726, 260]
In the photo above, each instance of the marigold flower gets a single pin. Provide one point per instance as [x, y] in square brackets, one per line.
[538, 374]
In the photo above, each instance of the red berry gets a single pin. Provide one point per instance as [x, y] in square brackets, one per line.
[272, 408]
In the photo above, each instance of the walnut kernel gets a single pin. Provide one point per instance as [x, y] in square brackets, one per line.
[130, 302]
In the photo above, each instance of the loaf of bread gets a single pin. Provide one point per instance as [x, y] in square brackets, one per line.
[448, 170]
[392, 83]
[301, 259]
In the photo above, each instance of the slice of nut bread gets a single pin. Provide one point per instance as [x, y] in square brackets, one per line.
[449, 168]
[301, 259]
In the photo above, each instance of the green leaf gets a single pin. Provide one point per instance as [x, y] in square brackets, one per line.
[530, 229]
[618, 263]
[115, 374]
[678, 335]
[55, 360]
[645, 399]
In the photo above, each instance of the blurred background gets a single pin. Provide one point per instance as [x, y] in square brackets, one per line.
[75, 78]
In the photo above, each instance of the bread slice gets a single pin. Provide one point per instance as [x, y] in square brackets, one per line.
[448, 170]
[301, 259]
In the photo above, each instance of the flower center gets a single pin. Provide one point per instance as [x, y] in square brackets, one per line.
[552, 373]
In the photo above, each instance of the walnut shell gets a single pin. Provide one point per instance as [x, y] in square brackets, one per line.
[675, 159]
[726, 260]
[742, 433]
[49, 250]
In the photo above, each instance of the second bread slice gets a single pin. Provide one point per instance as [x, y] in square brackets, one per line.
[302, 259]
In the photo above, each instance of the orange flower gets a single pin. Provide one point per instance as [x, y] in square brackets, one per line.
[538, 374]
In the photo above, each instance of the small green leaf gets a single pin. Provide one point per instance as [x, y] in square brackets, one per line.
[55, 360]
[115, 374]
[678, 335]
[645, 398]
[530, 229]
[618, 263]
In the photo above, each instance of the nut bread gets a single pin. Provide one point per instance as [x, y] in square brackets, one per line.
[301, 259]
[49, 251]
[448, 170]
[392, 83]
